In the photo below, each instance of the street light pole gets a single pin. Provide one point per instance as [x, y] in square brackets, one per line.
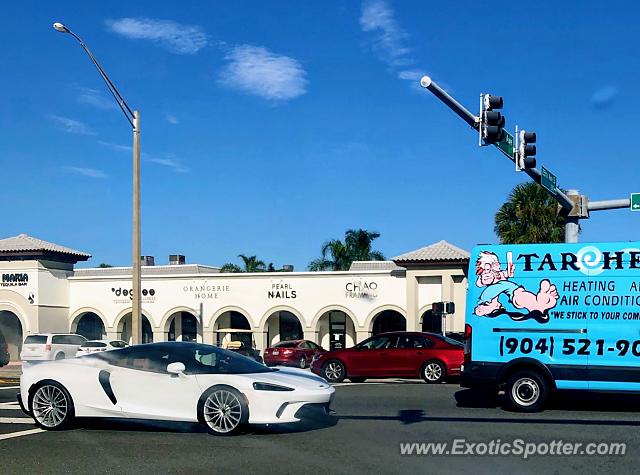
[133, 117]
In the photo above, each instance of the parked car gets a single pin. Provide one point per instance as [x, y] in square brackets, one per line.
[51, 346]
[298, 353]
[176, 381]
[4, 351]
[95, 346]
[240, 348]
[429, 356]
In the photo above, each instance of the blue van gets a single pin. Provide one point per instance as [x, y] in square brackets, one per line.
[542, 317]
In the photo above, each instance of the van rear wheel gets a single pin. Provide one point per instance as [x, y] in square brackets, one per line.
[527, 391]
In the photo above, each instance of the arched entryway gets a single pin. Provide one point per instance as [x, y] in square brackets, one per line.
[282, 325]
[124, 329]
[183, 326]
[431, 322]
[11, 330]
[336, 330]
[90, 326]
[233, 325]
[388, 321]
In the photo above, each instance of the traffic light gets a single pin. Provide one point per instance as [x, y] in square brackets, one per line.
[491, 121]
[526, 150]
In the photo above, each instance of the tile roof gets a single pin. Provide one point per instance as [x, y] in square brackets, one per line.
[24, 243]
[374, 265]
[439, 251]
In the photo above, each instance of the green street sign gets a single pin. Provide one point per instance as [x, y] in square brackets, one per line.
[635, 201]
[505, 145]
[548, 180]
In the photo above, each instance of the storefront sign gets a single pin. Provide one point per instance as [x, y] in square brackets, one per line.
[14, 280]
[126, 295]
[206, 290]
[361, 289]
[280, 290]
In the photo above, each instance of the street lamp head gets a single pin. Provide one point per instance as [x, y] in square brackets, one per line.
[60, 27]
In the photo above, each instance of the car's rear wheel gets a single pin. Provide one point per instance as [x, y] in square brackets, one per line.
[51, 406]
[224, 410]
[302, 363]
[433, 372]
[334, 371]
[527, 391]
[60, 356]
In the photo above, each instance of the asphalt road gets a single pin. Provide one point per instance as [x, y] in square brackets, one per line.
[372, 419]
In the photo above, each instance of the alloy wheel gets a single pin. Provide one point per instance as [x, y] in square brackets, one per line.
[50, 406]
[333, 371]
[222, 411]
[433, 372]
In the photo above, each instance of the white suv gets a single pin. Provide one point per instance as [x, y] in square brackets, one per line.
[51, 346]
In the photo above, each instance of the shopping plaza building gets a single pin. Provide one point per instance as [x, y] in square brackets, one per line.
[42, 291]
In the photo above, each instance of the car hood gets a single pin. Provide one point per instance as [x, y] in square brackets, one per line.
[291, 377]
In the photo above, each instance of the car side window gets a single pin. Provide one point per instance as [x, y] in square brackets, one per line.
[413, 341]
[312, 345]
[305, 345]
[378, 343]
[58, 340]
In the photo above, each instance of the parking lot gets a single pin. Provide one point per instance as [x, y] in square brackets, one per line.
[372, 419]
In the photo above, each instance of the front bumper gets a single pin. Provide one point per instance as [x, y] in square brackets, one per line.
[480, 374]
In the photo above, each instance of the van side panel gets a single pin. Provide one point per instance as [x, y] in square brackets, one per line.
[575, 308]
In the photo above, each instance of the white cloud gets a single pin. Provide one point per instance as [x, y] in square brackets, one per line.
[377, 18]
[177, 38]
[169, 161]
[256, 70]
[71, 126]
[89, 172]
[172, 163]
[96, 99]
[172, 119]
[116, 147]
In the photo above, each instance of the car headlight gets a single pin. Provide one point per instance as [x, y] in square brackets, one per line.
[270, 387]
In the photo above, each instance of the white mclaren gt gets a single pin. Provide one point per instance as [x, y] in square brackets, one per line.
[171, 381]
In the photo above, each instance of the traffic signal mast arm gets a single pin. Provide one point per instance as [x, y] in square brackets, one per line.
[475, 123]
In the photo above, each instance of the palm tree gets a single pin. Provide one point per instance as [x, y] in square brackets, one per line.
[229, 267]
[529, 216]
[251, 264]
[337, 255]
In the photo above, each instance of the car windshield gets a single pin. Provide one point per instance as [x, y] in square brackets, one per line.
[451, 341]
[211, 359]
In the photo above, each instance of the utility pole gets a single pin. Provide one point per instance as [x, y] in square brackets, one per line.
[133, 117]
[489, 124]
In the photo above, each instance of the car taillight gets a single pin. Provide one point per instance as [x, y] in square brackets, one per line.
[467, 342]
[287, 352]
[47, 347]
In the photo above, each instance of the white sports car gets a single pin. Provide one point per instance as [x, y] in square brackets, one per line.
[172, 381]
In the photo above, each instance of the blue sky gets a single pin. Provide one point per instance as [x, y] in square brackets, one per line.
[270, 127]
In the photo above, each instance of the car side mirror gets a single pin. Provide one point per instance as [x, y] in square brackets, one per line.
[176, 368]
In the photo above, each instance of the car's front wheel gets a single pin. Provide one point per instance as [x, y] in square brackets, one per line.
[223, 410]
[51, 406]
[334, 371]
[433, 372]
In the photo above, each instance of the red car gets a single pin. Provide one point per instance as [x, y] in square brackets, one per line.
[393, 355]
[298, 353]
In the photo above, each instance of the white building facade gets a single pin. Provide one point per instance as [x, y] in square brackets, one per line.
[42, 292]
